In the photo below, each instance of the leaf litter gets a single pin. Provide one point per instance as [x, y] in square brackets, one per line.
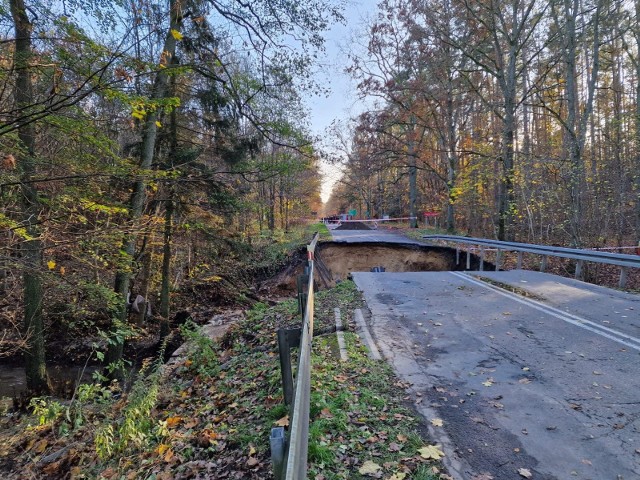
[213, 416]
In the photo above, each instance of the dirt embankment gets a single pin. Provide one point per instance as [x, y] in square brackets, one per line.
[336, 260]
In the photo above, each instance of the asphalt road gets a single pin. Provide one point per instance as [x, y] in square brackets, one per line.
[548, 383]
[380, 235]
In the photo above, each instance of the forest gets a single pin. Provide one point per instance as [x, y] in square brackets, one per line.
[140, 142]
[516, 120]
[157, 164]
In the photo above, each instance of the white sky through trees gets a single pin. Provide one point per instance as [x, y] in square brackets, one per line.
[342, 102]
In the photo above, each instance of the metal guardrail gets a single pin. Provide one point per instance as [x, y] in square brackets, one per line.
[289, 457]
[622, 260]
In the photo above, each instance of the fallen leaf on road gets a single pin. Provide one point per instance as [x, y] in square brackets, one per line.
[436, 422]
[488, 383]
[524, 381]
[483, 476]
[431, 452]
[525, 473]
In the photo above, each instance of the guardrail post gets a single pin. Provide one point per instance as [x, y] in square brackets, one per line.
[621, 260]
[468, 259]
[287, 339]
[302, 281]
[579, 267]
[622, 283]
[278, 449]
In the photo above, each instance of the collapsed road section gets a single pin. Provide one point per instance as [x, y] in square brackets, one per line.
[336, 260]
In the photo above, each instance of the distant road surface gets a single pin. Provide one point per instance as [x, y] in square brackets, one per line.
[548, 382]
[381, 235]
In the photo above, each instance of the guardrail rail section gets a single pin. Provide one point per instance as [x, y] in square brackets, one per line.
[622, 260]
[289, 456]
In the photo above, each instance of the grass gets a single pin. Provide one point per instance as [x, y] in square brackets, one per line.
[358, 411]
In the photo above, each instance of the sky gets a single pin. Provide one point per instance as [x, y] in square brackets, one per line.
[342, 103]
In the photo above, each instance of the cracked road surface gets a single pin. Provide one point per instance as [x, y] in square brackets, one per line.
[548, 382]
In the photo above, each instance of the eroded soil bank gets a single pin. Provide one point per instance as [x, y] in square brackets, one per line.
[336, 260]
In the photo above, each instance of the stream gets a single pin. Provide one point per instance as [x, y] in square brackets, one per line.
[62, 378]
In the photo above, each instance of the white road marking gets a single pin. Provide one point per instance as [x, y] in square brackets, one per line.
[619, 337]
[363, 329]
[340, 335]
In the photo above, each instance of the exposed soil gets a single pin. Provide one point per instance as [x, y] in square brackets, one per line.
[336, 260]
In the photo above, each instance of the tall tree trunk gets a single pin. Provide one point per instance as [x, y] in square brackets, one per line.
[636, 175]
[506, 193]
[32, 247]
[165, 289]
[413, 172]
[577, 113]
[138, 199]
[452, 162]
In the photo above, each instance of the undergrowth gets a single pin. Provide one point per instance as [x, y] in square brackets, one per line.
[210, 414]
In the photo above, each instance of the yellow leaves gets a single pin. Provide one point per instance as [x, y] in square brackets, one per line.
[436, 422]
[173, 421]
[283, 422]
[369, 468]
[51, 264]
[176, 34]
[431, 452]
[212, 278]
[139, 114]
[6, 222]
[100, 208]
[158, 124]
[398, 476]
[162, 448]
